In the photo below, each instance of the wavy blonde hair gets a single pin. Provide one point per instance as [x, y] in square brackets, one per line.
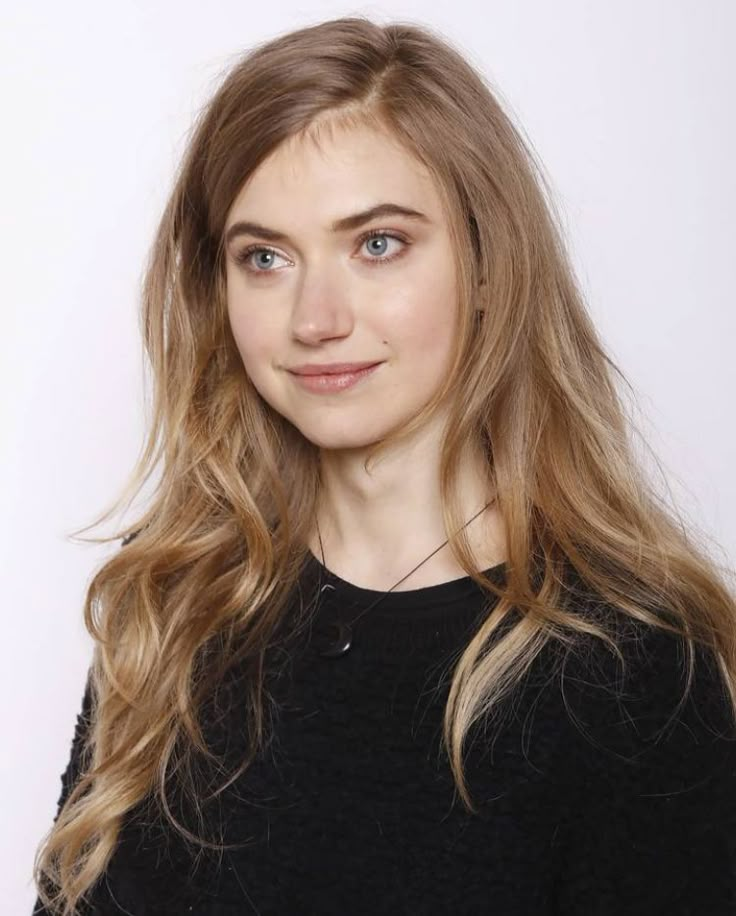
[212, 564]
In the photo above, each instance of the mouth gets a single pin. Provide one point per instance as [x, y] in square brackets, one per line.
[331, 368]
[329, 382]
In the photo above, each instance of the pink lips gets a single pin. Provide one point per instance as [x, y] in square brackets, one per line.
[316, 378]
[329, 368]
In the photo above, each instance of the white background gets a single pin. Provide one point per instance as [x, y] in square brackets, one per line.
[630, 107]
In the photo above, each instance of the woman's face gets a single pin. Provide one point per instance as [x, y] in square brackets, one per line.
[303, 289]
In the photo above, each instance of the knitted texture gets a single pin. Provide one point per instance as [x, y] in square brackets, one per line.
[595, 795]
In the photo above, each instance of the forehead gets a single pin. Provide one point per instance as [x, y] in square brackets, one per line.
[335, 171]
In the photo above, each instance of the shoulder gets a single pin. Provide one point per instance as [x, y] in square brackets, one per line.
[649, 817]
[587, 725]
[657, 719]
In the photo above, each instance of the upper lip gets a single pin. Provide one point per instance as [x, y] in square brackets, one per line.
[330, 368]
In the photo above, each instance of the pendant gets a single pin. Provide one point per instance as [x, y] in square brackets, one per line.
[342, 642]
[343, 634]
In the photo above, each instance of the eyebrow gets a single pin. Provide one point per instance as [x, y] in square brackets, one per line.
[340, 225]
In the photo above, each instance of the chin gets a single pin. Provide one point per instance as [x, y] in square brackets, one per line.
[340, 438]
[340, 443]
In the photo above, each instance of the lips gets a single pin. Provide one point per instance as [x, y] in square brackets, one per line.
[331, 368]
[334, 382]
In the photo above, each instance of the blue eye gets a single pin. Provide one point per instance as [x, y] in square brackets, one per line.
[378, 235]
[264, 257]
[377, 238]
[244, 257]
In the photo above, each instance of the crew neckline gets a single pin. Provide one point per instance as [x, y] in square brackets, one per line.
[442, 594]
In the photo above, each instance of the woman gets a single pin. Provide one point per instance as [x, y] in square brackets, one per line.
[411, 635]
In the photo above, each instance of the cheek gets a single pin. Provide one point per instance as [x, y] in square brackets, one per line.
[425, 318]
[253, 338]
[256, 354]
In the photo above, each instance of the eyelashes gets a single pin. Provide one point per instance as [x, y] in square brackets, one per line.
[243, 258]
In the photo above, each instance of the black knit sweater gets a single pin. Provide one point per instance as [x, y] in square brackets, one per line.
[595, 795]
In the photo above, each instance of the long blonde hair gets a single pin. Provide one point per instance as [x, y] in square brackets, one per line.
[216, 556]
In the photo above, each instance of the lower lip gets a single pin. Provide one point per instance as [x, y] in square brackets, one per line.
[324, 384]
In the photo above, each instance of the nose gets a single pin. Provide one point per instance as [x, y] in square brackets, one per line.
[322, 310]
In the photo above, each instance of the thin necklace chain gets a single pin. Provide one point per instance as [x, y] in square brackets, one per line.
[371, 606]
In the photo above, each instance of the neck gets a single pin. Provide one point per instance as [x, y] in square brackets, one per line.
[375, 529]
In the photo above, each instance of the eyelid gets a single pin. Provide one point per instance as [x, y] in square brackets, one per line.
[391, 233]
[241, 257]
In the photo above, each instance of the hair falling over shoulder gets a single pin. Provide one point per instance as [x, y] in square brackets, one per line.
[215, 558]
